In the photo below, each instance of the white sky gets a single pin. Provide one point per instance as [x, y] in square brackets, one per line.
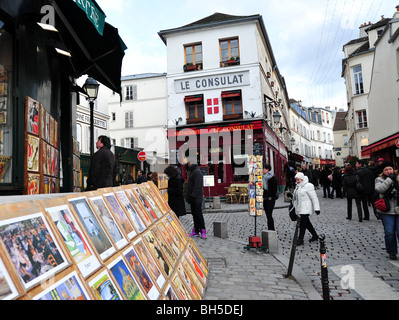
[306, 36]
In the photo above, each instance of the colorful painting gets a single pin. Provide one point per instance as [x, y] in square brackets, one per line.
[170, 294]
[93, 228]
[182, 291]
[104, 288]
[157, 253]
[74, 239]
[138, 208]
[68, 288]
[32, 248]
[135, 264]
[33, 154]
[33, 116]
[138, 223]
[188, 282]
[125, 280]
[145, 204]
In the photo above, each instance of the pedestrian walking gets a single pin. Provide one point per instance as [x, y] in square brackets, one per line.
[102, 170]
[387, 186]
[336, 183]
[349, 187]
[305, 202]
[325, 181]
[269, 194]
[195, 196]
[175, 191]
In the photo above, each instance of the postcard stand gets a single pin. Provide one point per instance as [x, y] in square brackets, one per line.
[255, 203]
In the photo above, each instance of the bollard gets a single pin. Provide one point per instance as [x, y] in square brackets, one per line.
[324, 271]
[293, 248]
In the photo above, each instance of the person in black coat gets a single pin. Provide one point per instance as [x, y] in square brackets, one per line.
[102, 171]
[337, 183]
[141, 177]
[325, 182]
[175, 191]
[349, 185]
[269, 194]
[367, 179]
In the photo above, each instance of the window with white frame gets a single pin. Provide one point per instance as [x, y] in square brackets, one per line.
[358, 79]
[129, 119]
[131, 92]
[361, 119]
[131, 143]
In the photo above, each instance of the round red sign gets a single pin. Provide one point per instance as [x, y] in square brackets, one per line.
[397, 143]
[142, 156]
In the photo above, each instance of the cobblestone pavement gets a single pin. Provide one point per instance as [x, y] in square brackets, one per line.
[358, 265]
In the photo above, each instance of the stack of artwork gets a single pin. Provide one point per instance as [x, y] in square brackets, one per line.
[121, 243]
[255, 167]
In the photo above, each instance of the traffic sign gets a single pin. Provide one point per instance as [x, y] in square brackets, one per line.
[397, 143]
[142, 156]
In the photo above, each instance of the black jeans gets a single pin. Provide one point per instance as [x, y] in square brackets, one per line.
[268, 206]
[306, 224]
[326, 187]
[358, 205]
[196, 211]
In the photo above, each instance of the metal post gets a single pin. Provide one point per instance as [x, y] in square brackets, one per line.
[324, 271]
[293, 248]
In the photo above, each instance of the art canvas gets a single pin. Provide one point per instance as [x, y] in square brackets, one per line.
[7, 289]
[93, 228]
[104, 287]
[170, 254]
[33, 116]
[145, 204]
[74, 239]
[169, 239]
[135, 264]
[32, 247]
[110, 224]
[125, 280]
[182, 291]
[33, 183]
[193, 275]
[157, 253]
[151, 199]
[68, 288]
[148, 261]
[185, 277]
[170, 293]
[32, 154]
[137, 222]
[177, 238]
[119, 214]
[138, 208]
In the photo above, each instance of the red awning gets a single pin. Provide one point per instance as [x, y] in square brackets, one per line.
[229, 94]
[380, 145]
[193, 98]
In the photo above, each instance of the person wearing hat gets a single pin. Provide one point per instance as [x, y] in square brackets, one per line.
[305, 202]
[387, 186]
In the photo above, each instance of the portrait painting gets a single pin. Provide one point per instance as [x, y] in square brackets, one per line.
[158, 200]
[119, 214]
[135, 264]
[32, 247]
[100, 208]
[177, 238]
[74, 239]
[68, 288]
[93, 227]
[104, 287]
[134, 216]
[33, 116]
[125, 280]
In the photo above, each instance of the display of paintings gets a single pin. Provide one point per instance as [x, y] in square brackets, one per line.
[197, 264]
[151, 199]
[193, 276]
[33, 154]
[68, 288]
[119, 214]
[182, 291]
[134, 216]
[93, 227]
[168, 238]
[255, 195]
[177, 237]
[188, 282]
[51, 130]
[74, 239]
[181, 233]
[138, 269]
[33, 183]
[143, 201]
[149, 262]
[32, 247]
[125, 280]
[170, 254]
[104, 287]
[104, 215]
[33, 110]
[138, 208]
[170, 294]
[7, 289]
[157, 253]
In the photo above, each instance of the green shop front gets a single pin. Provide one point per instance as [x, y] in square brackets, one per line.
[44, 47]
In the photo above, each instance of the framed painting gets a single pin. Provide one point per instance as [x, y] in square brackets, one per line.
[182, 291]
[157, 253]
[193, 275]
[180, 242]
[139, 209]
[32, 247]
[151, 200]
[68, 288]
[74, 239]
[197, 264]
[100, 208]
[135, 264]
[104, 287]
[93, 227]
[134, 216]
[8, 291]
[125, 280]
[148, 261]
[159, 194]
[33, 183]
[119, 214]
[170, 293]
[186, 278]
[143, 201]
[170, 254]
[33, 114]
[168, 238]
[32, 153]
[178, 228]
[160, 201]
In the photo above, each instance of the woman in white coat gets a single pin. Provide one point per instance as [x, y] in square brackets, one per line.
[305, 202]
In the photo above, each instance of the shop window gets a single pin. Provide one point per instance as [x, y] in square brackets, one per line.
[194, 108]
[229, 52]
[232, 105]
[6, 142]
[193, 57]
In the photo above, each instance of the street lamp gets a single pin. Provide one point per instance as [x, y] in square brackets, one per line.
[91, 89]
[276, 117]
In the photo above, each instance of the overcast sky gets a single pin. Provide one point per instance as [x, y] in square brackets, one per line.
[306, 36]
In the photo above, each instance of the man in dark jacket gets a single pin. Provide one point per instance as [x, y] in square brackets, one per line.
[269, 194]
[325, 182]
[367, 179]
[102, 170]
[141, 177]
[194, 196]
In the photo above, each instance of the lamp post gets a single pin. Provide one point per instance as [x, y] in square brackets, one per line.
[91, 89]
